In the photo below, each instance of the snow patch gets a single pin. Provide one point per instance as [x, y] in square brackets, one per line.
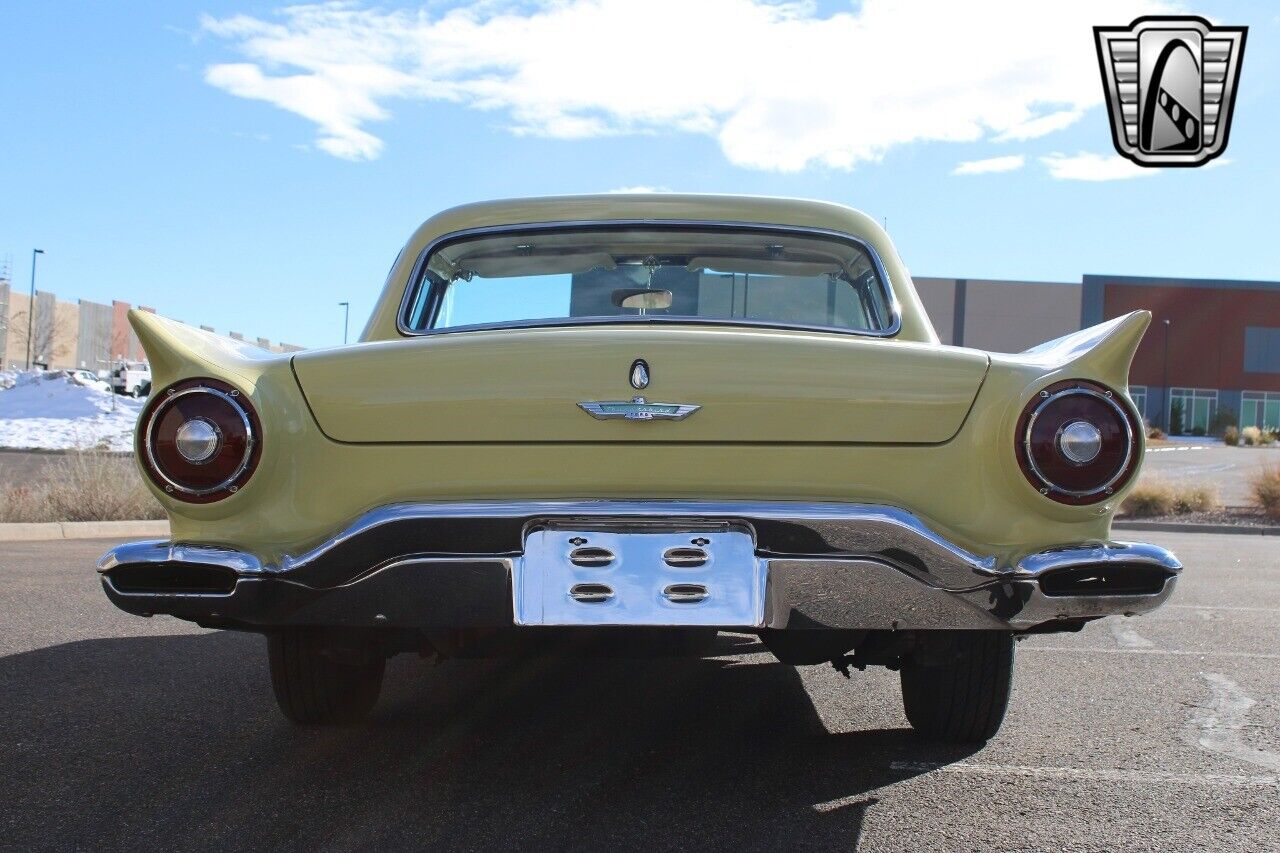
[59, 410]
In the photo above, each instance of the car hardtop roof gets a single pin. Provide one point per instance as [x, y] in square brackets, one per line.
[679, 207]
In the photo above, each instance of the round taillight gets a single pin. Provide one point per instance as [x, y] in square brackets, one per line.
[200, 440]
[1076, 442]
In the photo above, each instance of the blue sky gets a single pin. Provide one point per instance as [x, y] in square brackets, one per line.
[248, 173]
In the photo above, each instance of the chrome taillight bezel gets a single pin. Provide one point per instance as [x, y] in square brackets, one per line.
[240, 417]
[1114, 478]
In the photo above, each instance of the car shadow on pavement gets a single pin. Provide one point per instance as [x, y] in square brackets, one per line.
[175, 741]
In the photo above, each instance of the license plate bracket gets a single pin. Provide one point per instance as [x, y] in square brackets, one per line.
[645, 574]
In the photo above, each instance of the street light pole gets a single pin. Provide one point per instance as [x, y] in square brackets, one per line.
[31, 307]
[346, 316]
[1168, 398]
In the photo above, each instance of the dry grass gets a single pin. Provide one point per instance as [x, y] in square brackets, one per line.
[1250, 436]
[1195, 499]
[1156, 497]
[81, 487]
[1266, 490]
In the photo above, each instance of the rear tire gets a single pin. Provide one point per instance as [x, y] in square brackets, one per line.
[959, 694]
[318, 681]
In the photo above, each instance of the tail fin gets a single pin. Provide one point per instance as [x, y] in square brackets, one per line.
[173, 348]
[1102, 352]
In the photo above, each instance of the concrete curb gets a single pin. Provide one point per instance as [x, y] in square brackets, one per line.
[1188, 527]
[43, 531]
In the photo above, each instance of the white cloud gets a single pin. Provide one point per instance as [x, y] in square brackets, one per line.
[991, 164]
[777, 84]
[1086, 166]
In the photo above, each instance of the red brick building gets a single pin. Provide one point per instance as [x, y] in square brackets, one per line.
[1212, 345]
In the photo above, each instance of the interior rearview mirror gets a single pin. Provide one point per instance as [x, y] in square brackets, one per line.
[650, 300]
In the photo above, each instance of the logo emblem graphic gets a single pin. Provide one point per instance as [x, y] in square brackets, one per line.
[1170, 84]
[639, 374]
[639, 409]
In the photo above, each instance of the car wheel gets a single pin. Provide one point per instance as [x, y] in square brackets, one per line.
[959, 692]
[318, 681]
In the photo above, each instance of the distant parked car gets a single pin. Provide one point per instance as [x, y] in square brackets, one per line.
[132, 378]
[89, 379]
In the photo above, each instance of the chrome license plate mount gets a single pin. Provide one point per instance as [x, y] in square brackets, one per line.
[645, 574]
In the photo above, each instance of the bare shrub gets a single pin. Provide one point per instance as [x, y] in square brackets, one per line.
[1195, 499]
[1155, 433]
[23, 502]
[1157, 497]
[1148, 498]
[1266, 490]
[82, 487]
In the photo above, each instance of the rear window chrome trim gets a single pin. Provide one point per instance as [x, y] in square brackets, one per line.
[417, 279]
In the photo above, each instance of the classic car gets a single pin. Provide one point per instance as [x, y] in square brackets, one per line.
[640, 420]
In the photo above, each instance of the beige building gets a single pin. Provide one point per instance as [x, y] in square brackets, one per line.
[1000, 316]
[79, 334]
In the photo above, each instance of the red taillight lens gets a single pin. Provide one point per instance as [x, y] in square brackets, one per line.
[200, 440]
[1076, 442]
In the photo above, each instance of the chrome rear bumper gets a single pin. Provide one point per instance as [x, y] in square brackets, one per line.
[825, 565]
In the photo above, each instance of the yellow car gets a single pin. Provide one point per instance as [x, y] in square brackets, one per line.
[638, 420]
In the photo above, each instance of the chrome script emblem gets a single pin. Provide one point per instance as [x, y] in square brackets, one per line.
[639, 409]
[639, 374]
[1170, 83]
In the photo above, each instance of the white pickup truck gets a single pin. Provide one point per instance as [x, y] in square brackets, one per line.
[132, 378]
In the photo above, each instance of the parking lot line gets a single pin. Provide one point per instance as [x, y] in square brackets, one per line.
[1086, 774]
[1127, 638]
[1219, 727]
[1223, 607]
[1143, 651]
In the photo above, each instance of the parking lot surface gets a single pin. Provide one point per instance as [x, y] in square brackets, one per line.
[1227, 469]
[1154, 733]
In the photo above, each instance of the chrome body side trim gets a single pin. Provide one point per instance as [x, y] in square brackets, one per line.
[418, 275]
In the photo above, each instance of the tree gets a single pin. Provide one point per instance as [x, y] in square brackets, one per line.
[50, 338]
[1175, 418]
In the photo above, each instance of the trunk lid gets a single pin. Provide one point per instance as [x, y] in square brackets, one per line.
[753, 386]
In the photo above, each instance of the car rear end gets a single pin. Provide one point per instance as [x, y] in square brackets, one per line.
[655, 419]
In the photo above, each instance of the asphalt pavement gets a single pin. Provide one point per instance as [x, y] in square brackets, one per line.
[1227, 469]
[1159, 732]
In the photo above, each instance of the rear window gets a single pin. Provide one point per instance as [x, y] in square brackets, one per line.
[603, 274]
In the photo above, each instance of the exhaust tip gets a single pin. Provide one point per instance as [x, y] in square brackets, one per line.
[172, 579]
[1105, 579]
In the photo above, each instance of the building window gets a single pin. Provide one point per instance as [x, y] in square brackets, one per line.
[1138, 394]
[1261, 349]
[1198, 405]
[1260, 409]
